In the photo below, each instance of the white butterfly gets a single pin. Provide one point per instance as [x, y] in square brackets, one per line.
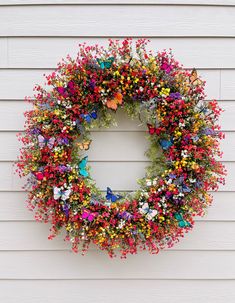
[60, 193]
[150, 213]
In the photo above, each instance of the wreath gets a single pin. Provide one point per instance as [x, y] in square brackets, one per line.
[183, 148]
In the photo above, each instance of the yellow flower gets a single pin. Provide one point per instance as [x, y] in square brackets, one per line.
[165, 92]
[116, 73]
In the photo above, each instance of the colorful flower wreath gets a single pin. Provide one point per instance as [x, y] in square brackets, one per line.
[183, 136]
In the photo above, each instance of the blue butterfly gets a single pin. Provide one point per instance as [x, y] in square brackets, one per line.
[181, 221]
[105, 63]
[82, 167]
[45, 106]
[89, 117]
[111, 196]
[165, 144]
[182, 186]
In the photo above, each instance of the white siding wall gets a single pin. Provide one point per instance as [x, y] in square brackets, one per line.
[33, 37]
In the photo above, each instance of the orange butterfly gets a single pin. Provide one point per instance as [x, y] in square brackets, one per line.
[194, 79]
[113, 103]
[84, 145]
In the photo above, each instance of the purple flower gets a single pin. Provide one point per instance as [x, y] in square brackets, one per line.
[63, 141]
[172, 176]
[168, 194]
[66, 207]
[175, 95]
[209, 131]
[178, 201]
[92, 84]
[35, 131]
[125, 215]
[63, 168]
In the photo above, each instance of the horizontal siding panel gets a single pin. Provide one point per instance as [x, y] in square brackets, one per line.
[120, 176]
[3, 52]
[96, 265]
[13, 207]
[117, 20]
[123, 2]
[227, 84]
[12, 119]
[30, 52]
[102, 146]
[33, 236]
[60, 291]
[24, 80]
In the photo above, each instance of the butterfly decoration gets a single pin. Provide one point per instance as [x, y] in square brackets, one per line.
[80, 127]
[105, 63]
[46, 141]
[181, 221]
[152, 103]
[165, 144]
[194, 79]
[146, 210]
[82, 167]
[60, 193]
[198, 184]
[84, 145]
[44, 106]
[65, 90]
[87, 214]
[184, 188]
[113, 103]
[110, 196]
[88, 117]
[181, 185]
[152, 130]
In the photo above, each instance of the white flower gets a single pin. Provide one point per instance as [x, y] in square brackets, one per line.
[184, 153]
[121, 224]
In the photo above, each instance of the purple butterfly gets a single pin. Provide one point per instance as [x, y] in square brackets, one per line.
[46, 142]
[88, 215]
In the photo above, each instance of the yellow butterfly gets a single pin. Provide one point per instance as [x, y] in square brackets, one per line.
[194, 79]
[84, 145]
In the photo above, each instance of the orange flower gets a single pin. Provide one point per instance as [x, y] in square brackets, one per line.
[113, 103]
